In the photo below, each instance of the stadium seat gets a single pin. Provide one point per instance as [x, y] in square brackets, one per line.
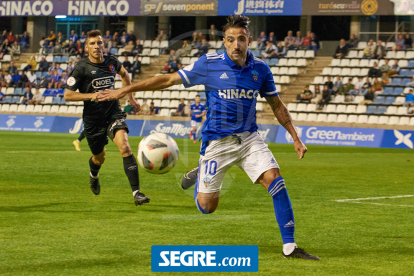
[411, 64]
[345, 62]
[283, 62]
[174, 104]
[364, 63]
[342, 118]
[399, 100]
[310, 54]
[49, 58]
[291, 54]
[63, 109]
[403, 63]
[292, 62]
[311, 117]
[379, 100]
[330, 108]
[390, 54]
[402, 110]
[352, 119]
[361, 109]
[335, 62]
[404, 121]
[403, 72]
[46, 108]
[389, 100]
[300, 54]
[345, 72]
[388, 91]
[291, 106]
[371, 109]
[355, 72]
[381, 109]
[63, 66]
[54, 109]
[79, 110]
[6, 58]
[72, 109]
[412, 121]
[382, 120]
[64, 59]
[362, 119]
[393, 120]
[29, 108]
[396, 81]
[253, 45]
[311, 107]
[321, 118]
[285, 79]
[362, 44]
[294, 116]
[121, 59]
[373, 119]
[336, 71]
[147, 44]
[57, 59]
[332, 118]
[283, 71]
[302, 117]
[274, 70]
[301, 107]
[165, 103]
[397, 91]
[164, 44]
[364, 72]
[301, 62]
[145, 60]
[391, 110]
[13, 108]
[352, 54]
[166, 95]
[156, 95]
[16, 99]
[326, 71]
[37, 109]
[350, 109]
[9, 91]
[409, 55]
[340, 108]
[273, 62]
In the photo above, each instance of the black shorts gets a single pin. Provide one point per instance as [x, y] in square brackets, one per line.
[97, 133]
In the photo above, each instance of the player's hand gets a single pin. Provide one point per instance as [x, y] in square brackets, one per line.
[111, 95]
[135, 104]
[300, 148]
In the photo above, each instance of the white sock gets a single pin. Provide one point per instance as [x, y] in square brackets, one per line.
[134, 192]
[288, 248]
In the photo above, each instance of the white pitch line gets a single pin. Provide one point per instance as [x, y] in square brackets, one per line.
[371, 198]
[381, 204]
[42, 151]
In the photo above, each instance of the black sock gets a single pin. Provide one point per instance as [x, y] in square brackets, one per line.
[131, 170]
[81, 136]
[94, 168]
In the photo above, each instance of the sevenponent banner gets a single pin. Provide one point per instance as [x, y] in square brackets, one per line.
[71, 8]
[260, 7]
[311, 135]
[179, 7]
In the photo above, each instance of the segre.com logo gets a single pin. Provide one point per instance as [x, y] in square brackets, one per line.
[204, 258]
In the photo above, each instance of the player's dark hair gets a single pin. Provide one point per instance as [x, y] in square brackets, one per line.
[237, 21]
[197, 96]
[93, 33]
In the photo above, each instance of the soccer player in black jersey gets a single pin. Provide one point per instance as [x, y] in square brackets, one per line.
[103, 119]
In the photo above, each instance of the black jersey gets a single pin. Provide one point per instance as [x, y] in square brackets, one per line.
[91, 77]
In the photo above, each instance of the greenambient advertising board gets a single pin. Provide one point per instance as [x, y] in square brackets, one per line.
[357, 7]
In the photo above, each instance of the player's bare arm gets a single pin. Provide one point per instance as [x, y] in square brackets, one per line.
[152, 84]
[71, 95]
[126, 80]
[283, 116]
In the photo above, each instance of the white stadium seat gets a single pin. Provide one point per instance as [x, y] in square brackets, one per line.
[291, 106]
[362, 119]
[302, 117]
[29, 108]
[311, 107]
[352, 119]
[383, 120]
[321, 118]
[332, 118]
[393, 120]
[373, 119]
[342, 118]
[312, 117]
[21, 108]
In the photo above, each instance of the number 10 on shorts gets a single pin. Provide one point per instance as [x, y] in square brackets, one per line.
[211, 167]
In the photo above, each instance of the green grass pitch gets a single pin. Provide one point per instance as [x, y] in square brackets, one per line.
[52, 224]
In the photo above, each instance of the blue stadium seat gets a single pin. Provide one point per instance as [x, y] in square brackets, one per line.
[273, 62]
[412, 72]
[114, 51]
[267, 61]
[220, 51]
[56, 100]
[256, 53]
[65, 59]
[411, 64]
[371, 109]
[403, 72]
[57, 59]
[396, 81]
[388, 91]
[44, 74]
[397, 91]
[381, 109]
[405, 81]
[16, 99]
[389, 100]
[38, 75]
[8, 99]
[379, 100]
[17, 91]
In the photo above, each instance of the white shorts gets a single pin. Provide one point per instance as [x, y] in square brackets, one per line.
[252, 155]
[195, 124]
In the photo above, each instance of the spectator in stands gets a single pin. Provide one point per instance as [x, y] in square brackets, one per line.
[289, 40]
[174, 65]
[113, 43]
[170, 57]
[58, 69]
[161, 36]
[306, 42]
[261, 41]
[385, 78]
[60, 39]
[270, 50]
[32, 79]
[152, 109]
[377, 85]
[368, 97]
[58, 48]
[411, 83]
[129, 109]
[15, 80]
[7, 78]
[50, 38]
[123, 38]
[369, 49]
[272, 38]
[395, 69]
[297, 41]
[37, 97]
[32, 64]
[409, 99]
[336, 85]
[166, 67]
[367, 84]
[136, 66]
[408, 42]
[54, 80]
[131, 37]
[12, 69]
[28, 96]
[345, 90]
[314, 43]
[353, 41]
[329, 83]
[17, 39]
[43, 65]
[385, 67]
[212, 33]
[129, 48]
[342, 50]
[200, 38]
[74, 37]
[82, 38]
[25, 40]
[127, 65]
[203, 49]
[280, 50]
[144, 108]
[10, 37]
[14, 49]
[306, 95]
[326, 97]
[400, 43]
[4, 48]
[185, 50]
[48, 49]
[180, 109]
[3, 37]
[374, 72]
[52, 67]
[63, 80]
[69, 68]
[379, 52]
[78, 46]
[358, 87]
[138, 48]
[70, 49]
[194, 39]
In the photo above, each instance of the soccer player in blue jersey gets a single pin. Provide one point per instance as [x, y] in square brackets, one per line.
[197, 111]
[233, 81]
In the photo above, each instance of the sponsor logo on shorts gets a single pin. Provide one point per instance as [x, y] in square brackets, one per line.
[117, 122]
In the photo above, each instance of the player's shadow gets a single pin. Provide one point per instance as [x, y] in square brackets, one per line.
[43, 208]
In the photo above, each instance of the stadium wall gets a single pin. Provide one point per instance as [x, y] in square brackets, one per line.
[311, 135]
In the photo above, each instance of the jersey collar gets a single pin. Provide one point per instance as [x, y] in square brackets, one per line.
[232, 64]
